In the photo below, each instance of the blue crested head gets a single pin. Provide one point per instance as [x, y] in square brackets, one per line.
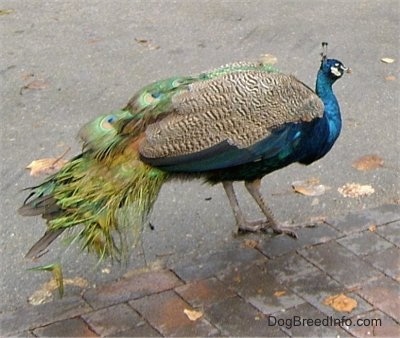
[333, 69]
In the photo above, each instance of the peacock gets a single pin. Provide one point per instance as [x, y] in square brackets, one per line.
[238, 122]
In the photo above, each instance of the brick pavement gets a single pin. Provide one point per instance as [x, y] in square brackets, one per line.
[245, 289]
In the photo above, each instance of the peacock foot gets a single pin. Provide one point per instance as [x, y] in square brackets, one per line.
[253, 226]
[288, 228]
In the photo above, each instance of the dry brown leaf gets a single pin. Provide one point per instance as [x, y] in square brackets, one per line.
[279, 293]
[318, 219]
[368, 162]
[387, 60]
[310, 187]
[355, 190]
[341, 303]
[268, 59]
[193, 314]
[45, 293]
[372, 228]
[147, 43]
[45, 166]
[36, 84]
[250, 243]
[390, 78]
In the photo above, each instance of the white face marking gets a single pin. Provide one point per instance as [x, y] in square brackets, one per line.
[335, 71]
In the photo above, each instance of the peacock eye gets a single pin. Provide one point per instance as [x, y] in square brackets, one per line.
[108, 121]
[148, 98]
[111, 119]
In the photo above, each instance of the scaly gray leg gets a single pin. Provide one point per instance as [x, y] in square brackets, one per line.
[241, 222]
[253, 187]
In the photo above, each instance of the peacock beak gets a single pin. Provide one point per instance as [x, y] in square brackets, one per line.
[345, 69]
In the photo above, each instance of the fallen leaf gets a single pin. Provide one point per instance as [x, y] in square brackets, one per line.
[45, 293]
[310, 187]
[193, 314]
[372, 228]
[147, 43]
[250, 243]
[368, 162]
[6, 11]
[387, 60]
[268, 59]
[279, 293]
[354, 190]
[318, 219]
[341, 303]
[47, 166]
[35, 85]
[390, 78]
[25, 76]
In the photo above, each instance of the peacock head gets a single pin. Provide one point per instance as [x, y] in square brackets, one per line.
[333, 69]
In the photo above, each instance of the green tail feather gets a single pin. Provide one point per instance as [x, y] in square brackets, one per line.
[109, 203]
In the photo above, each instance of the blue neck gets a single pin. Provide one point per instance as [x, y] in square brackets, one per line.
[331, 110]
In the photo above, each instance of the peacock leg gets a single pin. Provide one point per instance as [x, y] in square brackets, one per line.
[253, 187]
[241, 222]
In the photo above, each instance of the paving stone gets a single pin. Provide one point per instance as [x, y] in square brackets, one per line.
[261, 289]
[74, 327]
[387, 261]
[279, 245]
[135, 286]
[384, 294]
[204, 292]
[210, 266]
[142, 330]
[315, 288]
[365, 243]
[374, 324]
[113, 319]
[165, 312]
[390, 232]
[363, 219]
[341, 264]
[24, 334]
[306, 321]
[235, 317]
[289, 267]
[31, 317]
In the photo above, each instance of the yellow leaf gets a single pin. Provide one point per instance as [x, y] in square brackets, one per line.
[341, 303]
[193, 314]
[368, 162]
[387, 60]
[6, 11]
[355, 190]
[372, 228]
[268, 59]
[310, 187]
[279, 293]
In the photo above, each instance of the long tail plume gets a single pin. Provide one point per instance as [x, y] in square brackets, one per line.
[106, 199]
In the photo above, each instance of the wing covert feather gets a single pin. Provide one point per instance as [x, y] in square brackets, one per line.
[238, 109]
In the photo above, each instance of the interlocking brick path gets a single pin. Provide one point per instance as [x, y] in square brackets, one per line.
[245, 290]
